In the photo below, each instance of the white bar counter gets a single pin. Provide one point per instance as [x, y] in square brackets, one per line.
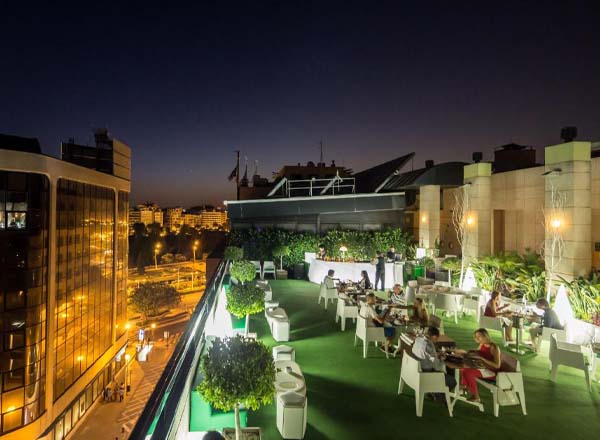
[348, 271]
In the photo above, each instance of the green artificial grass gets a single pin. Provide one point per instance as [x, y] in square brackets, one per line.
[354, 398]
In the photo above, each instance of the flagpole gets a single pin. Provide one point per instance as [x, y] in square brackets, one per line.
[237, 175]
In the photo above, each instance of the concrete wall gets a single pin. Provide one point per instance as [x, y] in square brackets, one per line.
[595, 211]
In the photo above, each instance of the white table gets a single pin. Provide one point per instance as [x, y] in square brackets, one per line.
[348, 271]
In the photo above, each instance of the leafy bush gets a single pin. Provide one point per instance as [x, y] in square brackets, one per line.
[281, 251]
[243, 270]
[233, 253]
[237, 371]
[149, 298]
[427, 263]
[167, 258]
[259, 244]
[584, 297]
[245, 299]
[453, 265]
[180, 258]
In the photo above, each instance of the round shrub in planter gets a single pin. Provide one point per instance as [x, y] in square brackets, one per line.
[245, 300]
[243, 271]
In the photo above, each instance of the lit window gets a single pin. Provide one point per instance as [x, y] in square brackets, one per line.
[16, 220]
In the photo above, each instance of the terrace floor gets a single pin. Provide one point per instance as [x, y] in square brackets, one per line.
[354, 398]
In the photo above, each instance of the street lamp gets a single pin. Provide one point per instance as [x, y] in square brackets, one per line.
[156, 251]
[195, 248]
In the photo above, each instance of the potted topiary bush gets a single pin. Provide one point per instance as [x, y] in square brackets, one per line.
[237, 372]
[244, 300]
[243, 271]
[233, 253]
[281, 251]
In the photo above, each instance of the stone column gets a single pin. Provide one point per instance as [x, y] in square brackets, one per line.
[429, 215]
[568, 171]
[478, 221]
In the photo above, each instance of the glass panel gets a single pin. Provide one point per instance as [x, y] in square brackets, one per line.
[16, 220]
[12, 420]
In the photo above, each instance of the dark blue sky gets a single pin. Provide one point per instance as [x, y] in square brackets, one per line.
[186, 86]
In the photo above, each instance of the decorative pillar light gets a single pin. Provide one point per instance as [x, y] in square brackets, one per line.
[343, 250]
[470, 220]
[423, 218]
[556, 223]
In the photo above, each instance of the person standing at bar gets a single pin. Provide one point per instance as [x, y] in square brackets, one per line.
[380, 270]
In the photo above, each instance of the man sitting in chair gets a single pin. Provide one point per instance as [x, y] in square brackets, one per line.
[374, 319]
[424, 350]
[549, 319]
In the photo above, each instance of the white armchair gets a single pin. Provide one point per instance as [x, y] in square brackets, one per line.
[422, 382]
[258, 268]
[367, 334]
[561, 336]
[507, 388]
[328, 292]
[489, 323]
[269, 267]
[345, 311]
[450, 303]
[569, 355]
[411, 291]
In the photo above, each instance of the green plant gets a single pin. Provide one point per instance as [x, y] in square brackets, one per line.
[237, 371]
[233, 253]
[245, 300]
[243, 270]
[281, 251]
[149, 298]
[584, 296]
[427, 262]
[453, 265]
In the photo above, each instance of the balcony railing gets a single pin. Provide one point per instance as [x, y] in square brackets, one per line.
[164, 413]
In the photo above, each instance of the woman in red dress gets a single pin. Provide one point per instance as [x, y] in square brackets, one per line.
[489, 355]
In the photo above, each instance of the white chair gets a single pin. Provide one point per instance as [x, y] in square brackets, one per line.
[345, 311]
[442, 283]
[269, 267]
[328, 292]
[367, 334]
[411, 291]
[258, 268]
[561, 336]
[422, 382]
[284, 353]
[507, 388]
[490, 323]
[279, 324]
[569, 355]
[291, 415]
[449, 303]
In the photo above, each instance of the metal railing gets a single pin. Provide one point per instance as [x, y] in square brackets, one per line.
[165, 407]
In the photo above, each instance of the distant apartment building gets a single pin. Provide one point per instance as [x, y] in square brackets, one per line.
[213, 219]
[63, 278]
[146, 214]
[191, 219]
[173, 218]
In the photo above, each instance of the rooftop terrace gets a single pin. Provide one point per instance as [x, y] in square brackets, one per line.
[354, 398]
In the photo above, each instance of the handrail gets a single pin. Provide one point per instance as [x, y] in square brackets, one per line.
[156, 420]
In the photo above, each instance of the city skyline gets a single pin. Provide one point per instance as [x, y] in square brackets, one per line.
[186, 87]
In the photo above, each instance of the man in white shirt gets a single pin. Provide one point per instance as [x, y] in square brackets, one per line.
[396, 296]
[368, 312]
[424, 350]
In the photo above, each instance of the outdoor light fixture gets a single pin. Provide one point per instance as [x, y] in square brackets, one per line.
[343, 249]
[556, 223]
[470, 220]
[423, 218]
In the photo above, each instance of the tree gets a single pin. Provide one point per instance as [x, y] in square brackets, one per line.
[233, 253]
[281, 251]
[167, 258]
[245, 300]
[237, 371]
[243, 271]
[139, 247]
[149, 298]
[459, 221]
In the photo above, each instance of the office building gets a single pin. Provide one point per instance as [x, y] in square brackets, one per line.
[63, 277]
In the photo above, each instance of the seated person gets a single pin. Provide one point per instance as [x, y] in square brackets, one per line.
[489, 355]
[420, 315]
[374, 319]
[365, 282]
[322, 252]
[329, 280]
[424, 350]
[549, 319]
[396, 296]
[493, 310]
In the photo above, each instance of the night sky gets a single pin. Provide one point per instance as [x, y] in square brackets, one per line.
[186, 86]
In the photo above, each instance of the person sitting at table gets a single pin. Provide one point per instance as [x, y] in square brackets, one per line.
[493, 310]
[424, 350]
[396, 295]
[374, 319]
[420, 314]
[329, 280]
[549, 319]
[489, 355]
[365, 282]
[322, 252]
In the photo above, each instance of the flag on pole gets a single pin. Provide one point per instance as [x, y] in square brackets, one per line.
[233, 174]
